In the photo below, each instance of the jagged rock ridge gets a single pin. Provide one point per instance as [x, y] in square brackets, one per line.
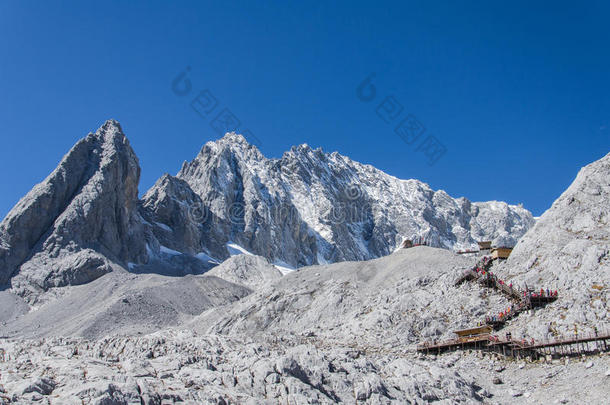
[343, 332]
[70, 228]
[308, 207]
[311, 207]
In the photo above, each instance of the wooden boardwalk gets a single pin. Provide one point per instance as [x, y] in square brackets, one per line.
[522, 300]
[588, 344]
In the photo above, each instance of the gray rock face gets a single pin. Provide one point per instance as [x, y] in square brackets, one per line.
[83, 216]
[310, 207]
[253, 272]
[179, 219]
[569, 250]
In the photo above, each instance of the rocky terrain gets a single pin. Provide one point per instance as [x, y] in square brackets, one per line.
[190, 295]
[120, 303]
[569, 250]
[248, 270]
[344, 333]
[397, 299]
[182, 367]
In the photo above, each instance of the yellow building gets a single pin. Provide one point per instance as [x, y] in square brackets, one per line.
[501, 252]
[473, 334]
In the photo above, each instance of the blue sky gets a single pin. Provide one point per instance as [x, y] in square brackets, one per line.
[516, 93]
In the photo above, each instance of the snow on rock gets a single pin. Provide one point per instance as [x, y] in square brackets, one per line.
[234, 249]
[311, 207]
[248, 270]
[169, 251]
[206, 258]
[285, 268]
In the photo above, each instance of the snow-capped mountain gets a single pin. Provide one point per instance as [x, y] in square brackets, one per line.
[308, 207]
[312, 207]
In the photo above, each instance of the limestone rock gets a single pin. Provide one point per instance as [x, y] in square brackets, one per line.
[83, 217]
[251, 271]
[41, 385]
[181, 221]
[311, 207]
[569, 250]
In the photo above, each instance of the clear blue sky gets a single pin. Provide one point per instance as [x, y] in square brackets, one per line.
[517, 92]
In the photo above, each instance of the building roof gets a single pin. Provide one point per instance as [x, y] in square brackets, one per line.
[479, 330]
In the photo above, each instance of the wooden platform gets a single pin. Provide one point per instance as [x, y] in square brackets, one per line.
[466, 252]
[483, 330]
[524, 347]
[452, 344]
[480, 337]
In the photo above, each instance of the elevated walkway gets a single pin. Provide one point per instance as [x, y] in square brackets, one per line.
[522, 299]
[589, 344]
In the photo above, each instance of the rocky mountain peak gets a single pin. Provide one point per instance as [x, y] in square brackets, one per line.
[580, 213]
[229, 153]
[232, 143]
[304, 151]
[306, 208]
[588, 194]
[312, 207]
[233, 138]
[65, 229]
[110, 130]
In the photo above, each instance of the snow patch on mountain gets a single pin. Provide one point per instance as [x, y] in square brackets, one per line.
[285, 268]
[234, 249]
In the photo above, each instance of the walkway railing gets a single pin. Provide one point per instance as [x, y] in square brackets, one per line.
[525, 299]
[518, 347]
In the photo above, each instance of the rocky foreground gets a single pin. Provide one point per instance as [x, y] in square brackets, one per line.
[324, 334]
[183, 367]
